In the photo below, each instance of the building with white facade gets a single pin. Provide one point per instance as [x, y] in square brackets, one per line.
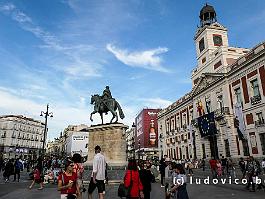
[130, 142]
[76, 139]
[20, 135]
[228, 84]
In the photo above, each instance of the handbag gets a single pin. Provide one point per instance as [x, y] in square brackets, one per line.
[125, 191]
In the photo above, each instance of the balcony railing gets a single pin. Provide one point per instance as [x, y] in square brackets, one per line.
[194, 122]
[255, 99]
[219, 113]
[260, 123]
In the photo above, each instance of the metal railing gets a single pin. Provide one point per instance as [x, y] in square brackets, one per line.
[260, 123]
[219, 113]
[255, 99]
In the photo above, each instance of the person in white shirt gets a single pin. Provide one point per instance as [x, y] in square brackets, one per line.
[98, 174]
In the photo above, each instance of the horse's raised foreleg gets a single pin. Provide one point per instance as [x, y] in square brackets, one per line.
[91, 115]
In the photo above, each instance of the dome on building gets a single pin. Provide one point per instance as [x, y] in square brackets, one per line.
[207, 15]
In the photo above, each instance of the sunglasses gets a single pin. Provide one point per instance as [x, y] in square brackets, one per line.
[71, 165]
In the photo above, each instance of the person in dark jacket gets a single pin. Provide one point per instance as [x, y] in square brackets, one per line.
[146, 177]
[18, 166]
[162, 169]
[9, 170]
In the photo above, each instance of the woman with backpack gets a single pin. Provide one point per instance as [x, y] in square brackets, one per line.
[133, 182]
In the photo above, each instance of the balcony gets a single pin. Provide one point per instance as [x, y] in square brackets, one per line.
[255, 99]
[260, 123]
[219, 113]
[194, 122]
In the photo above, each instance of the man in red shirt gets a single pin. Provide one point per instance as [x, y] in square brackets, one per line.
[213, 166]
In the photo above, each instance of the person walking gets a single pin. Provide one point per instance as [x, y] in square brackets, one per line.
[219, 168]
[263, 166]
[132, 180]
[190, 167]
[1, 163]
[203, 164]
[180, 182]
[9, 170]
[213, 166]
[79, 170]
[162, 168]
[146, 178]
[231, 168]
[18, 167]
[251, 173]
[37, 178]
[98, 174]
[224, 163]
[68, 183]
[242, 165]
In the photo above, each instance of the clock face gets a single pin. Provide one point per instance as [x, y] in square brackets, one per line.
[217, 40]
[201, 45]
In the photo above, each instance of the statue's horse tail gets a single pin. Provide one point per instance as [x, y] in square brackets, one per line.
[122, 116]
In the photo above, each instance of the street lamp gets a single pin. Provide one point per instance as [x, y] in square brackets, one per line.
[46, 115]
[161, 137]
[139, 144]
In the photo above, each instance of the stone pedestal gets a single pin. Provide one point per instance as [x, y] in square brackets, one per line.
[111, 139]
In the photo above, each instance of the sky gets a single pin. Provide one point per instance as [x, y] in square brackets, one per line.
[62, 51]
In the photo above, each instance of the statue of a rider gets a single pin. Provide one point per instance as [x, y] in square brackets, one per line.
[106, 103]
[106, 94]
[106, 97]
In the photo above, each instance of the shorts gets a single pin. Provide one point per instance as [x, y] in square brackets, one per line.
[100, 185]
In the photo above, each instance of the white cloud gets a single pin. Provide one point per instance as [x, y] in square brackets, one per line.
[63, 115]
[155, 102]
[7, 7]
[148, 59]
[79, 67]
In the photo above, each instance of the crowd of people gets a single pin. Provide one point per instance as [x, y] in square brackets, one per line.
[68, 174]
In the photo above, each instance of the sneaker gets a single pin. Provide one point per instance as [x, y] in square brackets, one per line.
[162, 186]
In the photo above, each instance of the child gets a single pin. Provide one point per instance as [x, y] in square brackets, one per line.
[36, 178]
[180, 180]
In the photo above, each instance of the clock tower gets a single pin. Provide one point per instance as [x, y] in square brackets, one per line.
[209, 36]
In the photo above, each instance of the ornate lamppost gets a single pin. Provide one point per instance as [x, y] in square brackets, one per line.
[46, 115]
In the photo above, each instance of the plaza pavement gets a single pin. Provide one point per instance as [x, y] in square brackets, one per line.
[18, 190]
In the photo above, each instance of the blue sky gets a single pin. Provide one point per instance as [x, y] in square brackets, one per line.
[62, 51]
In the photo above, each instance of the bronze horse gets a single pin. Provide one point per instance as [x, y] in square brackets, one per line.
[101, 106]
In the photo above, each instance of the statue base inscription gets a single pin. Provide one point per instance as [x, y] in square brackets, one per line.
[111, 139]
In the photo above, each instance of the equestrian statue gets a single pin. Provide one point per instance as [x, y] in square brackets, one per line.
[104, 104]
